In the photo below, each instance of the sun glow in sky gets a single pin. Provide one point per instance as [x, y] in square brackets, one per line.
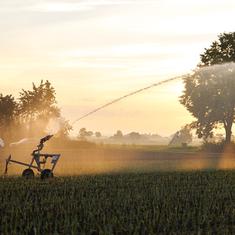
[95, 51]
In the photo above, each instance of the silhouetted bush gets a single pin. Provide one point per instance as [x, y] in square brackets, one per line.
[218, 147]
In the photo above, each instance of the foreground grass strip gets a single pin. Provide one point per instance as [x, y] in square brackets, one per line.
[144, 203]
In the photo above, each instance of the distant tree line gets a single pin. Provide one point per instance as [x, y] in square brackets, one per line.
[84, 134]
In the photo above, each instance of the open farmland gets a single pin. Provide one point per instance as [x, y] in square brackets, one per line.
[139, 203]
[117, 159]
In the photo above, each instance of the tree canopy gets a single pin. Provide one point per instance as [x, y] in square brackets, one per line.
[30, 116]
[39, 103]
[209, 93]
[220, 51]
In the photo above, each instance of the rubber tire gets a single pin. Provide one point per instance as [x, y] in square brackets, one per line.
[46, 174]
[28, 173]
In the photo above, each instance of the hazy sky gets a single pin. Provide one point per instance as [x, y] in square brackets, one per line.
[95, 51]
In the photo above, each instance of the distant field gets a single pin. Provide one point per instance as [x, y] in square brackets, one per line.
[139, 203]
[151, 148]
[118, 158]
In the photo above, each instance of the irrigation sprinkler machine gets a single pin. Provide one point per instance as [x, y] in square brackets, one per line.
[38, 162]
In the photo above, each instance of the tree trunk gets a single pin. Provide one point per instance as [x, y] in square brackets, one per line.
[228, 132]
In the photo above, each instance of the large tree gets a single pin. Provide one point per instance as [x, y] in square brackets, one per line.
[39, 103]
[37, 107]
[209, 93]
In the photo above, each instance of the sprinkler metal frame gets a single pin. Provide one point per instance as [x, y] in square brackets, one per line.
[40, 159]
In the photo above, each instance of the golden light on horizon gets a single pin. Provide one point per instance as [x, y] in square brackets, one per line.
[96, 51]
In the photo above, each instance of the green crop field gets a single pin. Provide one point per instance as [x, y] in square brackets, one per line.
[139, 203]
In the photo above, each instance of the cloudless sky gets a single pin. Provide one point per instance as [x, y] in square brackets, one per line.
[94, 51]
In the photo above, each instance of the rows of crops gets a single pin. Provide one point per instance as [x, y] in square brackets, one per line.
[144, 203]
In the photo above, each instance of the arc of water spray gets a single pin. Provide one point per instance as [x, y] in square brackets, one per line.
[130, 94]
